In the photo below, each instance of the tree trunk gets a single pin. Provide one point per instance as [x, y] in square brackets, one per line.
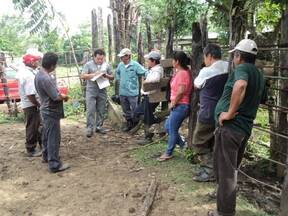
[120, 5]
[149, 35]
[116, 32]
[100, 24]
[140, 57]
[237, 23]
[127, 23]
[95, 43]
[170, 36]
[109, 37]
[199, 40]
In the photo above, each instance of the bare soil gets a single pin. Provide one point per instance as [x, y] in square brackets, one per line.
[103, 180]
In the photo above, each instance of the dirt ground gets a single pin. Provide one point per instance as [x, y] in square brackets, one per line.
[103, 180]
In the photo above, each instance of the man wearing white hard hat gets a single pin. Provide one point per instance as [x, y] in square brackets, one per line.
[127, 74]
[234, 115]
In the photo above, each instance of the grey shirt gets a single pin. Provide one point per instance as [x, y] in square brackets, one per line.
[49, 95]
[92, 67]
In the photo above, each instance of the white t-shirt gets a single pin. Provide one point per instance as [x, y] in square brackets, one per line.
[26, 76]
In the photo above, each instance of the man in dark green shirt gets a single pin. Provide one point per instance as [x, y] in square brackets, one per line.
[234, 115]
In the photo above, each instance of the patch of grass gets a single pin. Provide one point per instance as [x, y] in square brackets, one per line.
[63, 71]
[5, 118]
[178, 171]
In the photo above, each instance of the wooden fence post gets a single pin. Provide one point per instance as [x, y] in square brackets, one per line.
[283, 99]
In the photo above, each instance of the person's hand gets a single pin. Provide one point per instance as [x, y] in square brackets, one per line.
[65, 97]
[104, 75]
[171, 105]
[225, 116]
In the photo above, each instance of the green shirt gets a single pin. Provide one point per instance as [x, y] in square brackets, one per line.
[128, 76]
[243, 121]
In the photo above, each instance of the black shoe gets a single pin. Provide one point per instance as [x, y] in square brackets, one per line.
[144, 141]
[89, 132]
[101, 130]
[63, 167]
[34, 153]
[128, 126]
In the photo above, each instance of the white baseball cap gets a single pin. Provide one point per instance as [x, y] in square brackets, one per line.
[124, 52]
[246, 45]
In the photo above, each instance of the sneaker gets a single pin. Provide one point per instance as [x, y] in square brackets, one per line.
[63, 167]
[89, 132]
[34, 153]
[204, 177]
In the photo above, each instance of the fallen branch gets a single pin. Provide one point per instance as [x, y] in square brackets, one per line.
[88, 158]
[144, 146]
[149, 198]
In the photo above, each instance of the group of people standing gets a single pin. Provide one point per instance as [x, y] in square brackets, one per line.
[228, 106]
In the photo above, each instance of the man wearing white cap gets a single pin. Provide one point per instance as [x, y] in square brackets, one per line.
[234, 115]
[154, 74]
[128, 73]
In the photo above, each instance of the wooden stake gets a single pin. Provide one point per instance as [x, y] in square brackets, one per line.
[149, 198]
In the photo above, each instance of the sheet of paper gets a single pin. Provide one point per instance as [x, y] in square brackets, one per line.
[102, 82]
[99, 74]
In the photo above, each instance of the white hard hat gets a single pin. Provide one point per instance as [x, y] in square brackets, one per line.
[246, 45]
[124, 52]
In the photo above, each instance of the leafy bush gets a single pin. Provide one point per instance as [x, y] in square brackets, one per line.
[75, 107]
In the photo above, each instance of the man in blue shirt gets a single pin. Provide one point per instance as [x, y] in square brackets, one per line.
[127, 74]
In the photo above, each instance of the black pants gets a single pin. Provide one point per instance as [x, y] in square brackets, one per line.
[228, 153]
[146, 109]
[33, 127]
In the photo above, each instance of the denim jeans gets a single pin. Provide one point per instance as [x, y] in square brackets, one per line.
[128, 104]
[172, 125]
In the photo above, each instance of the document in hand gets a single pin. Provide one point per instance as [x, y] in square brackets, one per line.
[99, 74]
[102, 82]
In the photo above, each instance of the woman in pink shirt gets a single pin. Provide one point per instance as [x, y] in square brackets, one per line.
[181, 86]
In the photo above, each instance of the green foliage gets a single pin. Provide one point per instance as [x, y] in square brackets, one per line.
[39, 13]
[13, 38]
[51, 41]
[74, 108]
[80, 40]
[190, 155]
[184, 12]
[267, 15]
